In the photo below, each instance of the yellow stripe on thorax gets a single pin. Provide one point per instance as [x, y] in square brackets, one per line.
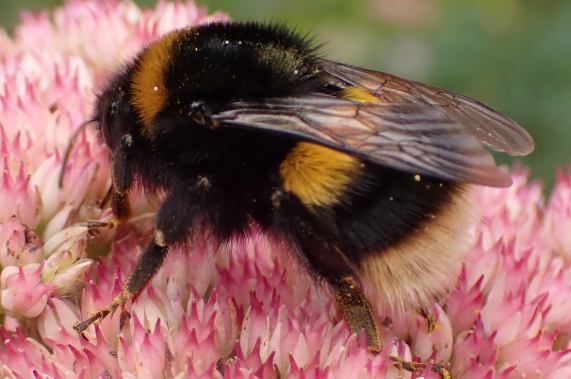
[148, 89]
[317, 175]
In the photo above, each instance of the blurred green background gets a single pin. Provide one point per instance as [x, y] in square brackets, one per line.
[514, 55]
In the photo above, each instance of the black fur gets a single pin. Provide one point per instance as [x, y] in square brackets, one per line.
[222, 179]
[226, 61]
[381, 208]
[195, 117]
[391, 208]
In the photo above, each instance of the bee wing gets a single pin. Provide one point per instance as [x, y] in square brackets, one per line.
[490, 127]
[415, 138]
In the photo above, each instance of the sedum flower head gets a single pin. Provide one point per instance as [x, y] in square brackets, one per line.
[245, 311]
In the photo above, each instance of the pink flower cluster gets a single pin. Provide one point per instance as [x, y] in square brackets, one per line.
[247, 311]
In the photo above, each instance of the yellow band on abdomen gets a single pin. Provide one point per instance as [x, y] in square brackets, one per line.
[317, 175]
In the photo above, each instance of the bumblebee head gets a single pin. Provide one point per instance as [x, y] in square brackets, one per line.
[113, 114]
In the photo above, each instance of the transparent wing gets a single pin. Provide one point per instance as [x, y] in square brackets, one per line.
[416, 138]
[488, 126]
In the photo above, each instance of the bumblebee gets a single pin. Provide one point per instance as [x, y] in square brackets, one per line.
[363, 174]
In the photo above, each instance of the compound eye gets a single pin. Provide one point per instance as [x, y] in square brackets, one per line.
[114, 116]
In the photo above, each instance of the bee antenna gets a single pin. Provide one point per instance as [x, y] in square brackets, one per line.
[68, 149]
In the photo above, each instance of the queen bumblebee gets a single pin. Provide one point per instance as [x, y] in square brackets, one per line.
[362, 173]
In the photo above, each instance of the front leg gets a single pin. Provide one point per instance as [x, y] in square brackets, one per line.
[173, 225]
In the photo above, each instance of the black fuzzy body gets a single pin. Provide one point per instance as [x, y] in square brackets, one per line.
[228, 179]
[224, 62]
[361, 173]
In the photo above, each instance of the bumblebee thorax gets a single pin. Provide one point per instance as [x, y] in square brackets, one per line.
[220, 62]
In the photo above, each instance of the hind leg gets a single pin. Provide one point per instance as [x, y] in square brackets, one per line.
[330, 263]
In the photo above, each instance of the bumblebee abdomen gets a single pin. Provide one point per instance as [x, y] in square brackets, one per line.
[421, 266]
[404, 235]
[400, 233]
[371, 207]
[385, 207]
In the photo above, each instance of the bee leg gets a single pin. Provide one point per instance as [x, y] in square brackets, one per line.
[145, 268]
[103, 203]
[430, 319]
[417, 366]
[357, 311]
[224, 361]
[173, 225]
[410, 366]
[122, 178]
[122, 181]
[327, 260]
[438, 368]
